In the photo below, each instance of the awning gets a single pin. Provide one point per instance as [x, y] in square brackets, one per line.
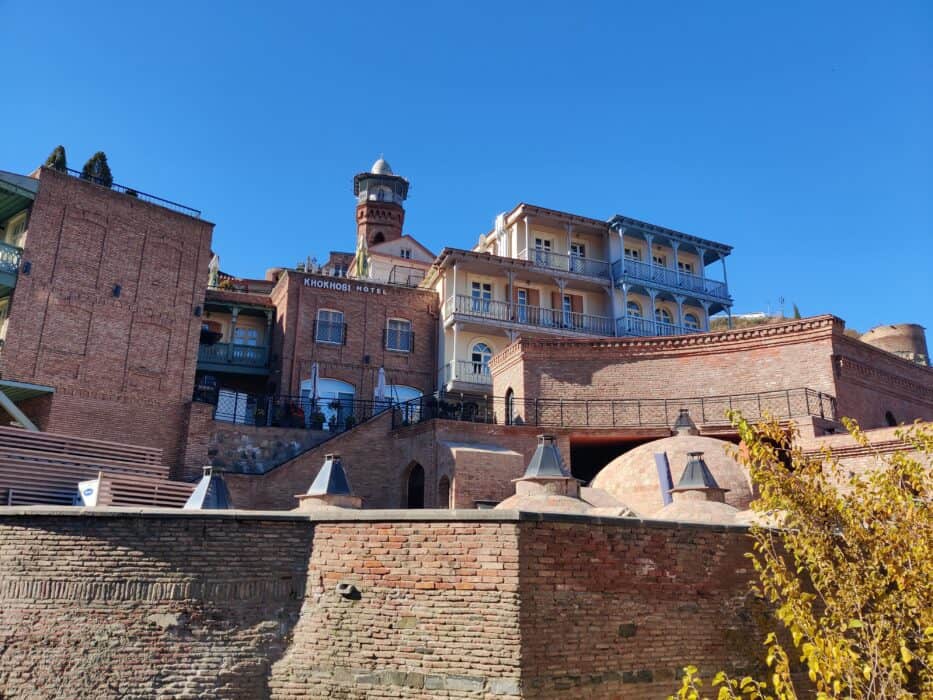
[17, 192]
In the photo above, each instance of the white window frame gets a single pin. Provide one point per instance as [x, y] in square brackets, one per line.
[521, 301]
[250, 336]
[481, 295]
[636, 313]
[342, 325]
[481, 366]
[695, 323]
[405, 253]
[404, 337]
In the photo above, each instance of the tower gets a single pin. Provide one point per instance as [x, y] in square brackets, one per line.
[379, 197]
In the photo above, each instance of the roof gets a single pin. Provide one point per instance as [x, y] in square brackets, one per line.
[16, 193]
[210, 494]
[227, 296]
[20, 391]
[331, 480]
[533, 209]
[697, 475]
[405, 236]
[381, 167]
[619, 221]
[546, 462]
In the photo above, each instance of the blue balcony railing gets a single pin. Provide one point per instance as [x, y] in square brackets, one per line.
[634, 325]
[577, 264]
[10, 258]
[629, 269]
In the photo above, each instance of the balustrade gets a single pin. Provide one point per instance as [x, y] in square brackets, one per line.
[657, 274]
[529, 315]
[234, 354]
[577, 264]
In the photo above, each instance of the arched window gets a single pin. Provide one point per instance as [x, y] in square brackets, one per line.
[379, 238]
[662, 315]
[691, 321]
[480, 356]
[634, 309]
[890, 419]
[415, 489]
[509, 406]
[443, 493]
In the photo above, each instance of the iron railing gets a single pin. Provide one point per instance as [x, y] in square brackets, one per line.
[234, 354]
[576, 264]
[635, 325]
[529, 315]
[629, 268]
[405, 276]
[151, 198]
[616, 413]
[10, 258]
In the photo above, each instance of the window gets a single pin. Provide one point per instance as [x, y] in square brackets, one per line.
[634, 309]
[662, 315]
[340, 270]
[566, 305]
[378, 238]
[246, 336]
[330, 327]
[660, 260]
[543, 252]
[399, 336]
[685, 266]
[480, 357]
[522, 299]
[691, 321]
[405, 253]
[633, 253]
[482, 296]
[577, 253]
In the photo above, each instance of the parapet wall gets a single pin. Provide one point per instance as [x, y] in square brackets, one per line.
[453, 604]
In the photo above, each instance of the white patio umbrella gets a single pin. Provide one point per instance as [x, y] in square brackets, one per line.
[380, 392]
[315, 379]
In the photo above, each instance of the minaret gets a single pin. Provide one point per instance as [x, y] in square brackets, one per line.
[380, 195]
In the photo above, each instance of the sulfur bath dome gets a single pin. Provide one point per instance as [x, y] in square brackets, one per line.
[633, 477]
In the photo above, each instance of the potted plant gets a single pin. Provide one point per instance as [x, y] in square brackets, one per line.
[317, 420]
[350, 421]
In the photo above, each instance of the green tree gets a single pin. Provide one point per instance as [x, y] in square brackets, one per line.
[796, 312]
[57, 159]
[97, 170]
[848, 569]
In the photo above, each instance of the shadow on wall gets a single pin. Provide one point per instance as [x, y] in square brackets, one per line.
[134, 605]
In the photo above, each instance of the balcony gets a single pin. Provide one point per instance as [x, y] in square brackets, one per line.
[230, 357]
[10, 258]
[629, 269]
[465, 375]
[589, 267]
[524, 315]
[633, 325]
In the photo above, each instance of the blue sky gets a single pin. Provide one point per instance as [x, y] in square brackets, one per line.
[800, 133]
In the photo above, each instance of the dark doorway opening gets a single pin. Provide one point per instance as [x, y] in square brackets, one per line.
[415, 487]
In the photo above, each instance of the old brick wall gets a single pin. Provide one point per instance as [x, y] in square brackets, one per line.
[145, 605]
[123, 367]
[366, 312]
[446, 605]
[615, 610]
[437, 614]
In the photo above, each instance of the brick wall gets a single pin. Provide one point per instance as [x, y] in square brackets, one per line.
[146, 605]
[452, 605]
[123, 367]
[811, 353]
[366, 309]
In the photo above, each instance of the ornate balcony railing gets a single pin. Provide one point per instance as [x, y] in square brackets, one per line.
[591, 267]
[234, 354]
[526, 315]
[782, 404]
[467, 372]
[633, 325]
[10, 257]
[629, 269]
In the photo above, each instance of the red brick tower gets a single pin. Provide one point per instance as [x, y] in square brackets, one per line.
[379, 196]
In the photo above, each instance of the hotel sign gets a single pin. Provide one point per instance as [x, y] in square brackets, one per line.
[336, 286]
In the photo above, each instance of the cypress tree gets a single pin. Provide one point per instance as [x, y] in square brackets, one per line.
[57, 160]
[97, 170]
[796, 312]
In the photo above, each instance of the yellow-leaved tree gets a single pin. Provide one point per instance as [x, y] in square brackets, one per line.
[847, 565]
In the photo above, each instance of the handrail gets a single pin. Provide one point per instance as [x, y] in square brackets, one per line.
[631, 268]
[151, 198]
[638, 326]
[622, 412]
[525, 314]
[234, 354]
[577, 264]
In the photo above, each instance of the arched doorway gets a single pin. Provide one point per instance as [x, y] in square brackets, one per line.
[509, 406]
[443, 493]
[335, 402]
[415, 486]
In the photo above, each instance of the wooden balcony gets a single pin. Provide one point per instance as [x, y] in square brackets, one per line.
[231, 357]
[576, 264]
[555, 320]
[634, 325]
[629, 270]
[10, 259]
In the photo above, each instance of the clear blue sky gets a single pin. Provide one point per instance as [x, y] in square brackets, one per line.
[799, 132]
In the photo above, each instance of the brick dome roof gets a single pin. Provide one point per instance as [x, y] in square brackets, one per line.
[697, 511]
[633, 477]
[544, 503]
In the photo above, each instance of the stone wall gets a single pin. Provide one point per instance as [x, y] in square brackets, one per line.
[453, 604]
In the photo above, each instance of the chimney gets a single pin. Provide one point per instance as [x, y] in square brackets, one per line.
[697, 482]
[684, 424]
[210, 494]
[330, 489]
[546, 472]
